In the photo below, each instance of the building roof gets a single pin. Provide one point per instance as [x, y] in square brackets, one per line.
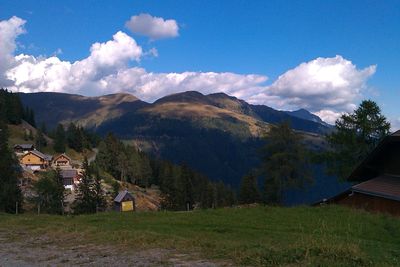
[41, 155]
[369, 167]
[62, 155]
[385, 186]
[121, 196]
[24, 146]
[69, 173]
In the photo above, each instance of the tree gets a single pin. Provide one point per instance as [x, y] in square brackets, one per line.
[98, 193]
[84, 202]
[41, 141]
[285, 163]
[59, 139]
[249, 193]
[10, 193]
[355, 136]
[50, 192]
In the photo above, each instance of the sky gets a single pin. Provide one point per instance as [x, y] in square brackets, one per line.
[325, 56]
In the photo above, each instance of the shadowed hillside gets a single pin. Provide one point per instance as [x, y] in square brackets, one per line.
[215, 134]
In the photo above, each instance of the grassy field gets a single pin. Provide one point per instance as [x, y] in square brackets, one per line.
[259, 236]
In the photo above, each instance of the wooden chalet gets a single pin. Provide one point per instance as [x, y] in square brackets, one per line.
[62, 161]
[377, 180]
[23, 148]
[124, 201]
[36, 160]
[71, 178]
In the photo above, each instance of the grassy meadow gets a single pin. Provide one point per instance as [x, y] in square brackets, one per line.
[257, 236]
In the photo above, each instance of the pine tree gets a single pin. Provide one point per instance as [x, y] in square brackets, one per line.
[249, 192]
[50, 192]
[59, 139]
[98, 192]
[356, 135]
[84, 202]
[10, 193]
[285, 163]
[41, 141]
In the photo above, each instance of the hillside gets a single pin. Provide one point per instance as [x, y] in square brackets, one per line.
[217, 135]
[247, 236]
[146, 199]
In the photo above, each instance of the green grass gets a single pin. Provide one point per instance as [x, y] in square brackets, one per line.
[261, 236]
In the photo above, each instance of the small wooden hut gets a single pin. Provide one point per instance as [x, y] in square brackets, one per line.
[124, 201]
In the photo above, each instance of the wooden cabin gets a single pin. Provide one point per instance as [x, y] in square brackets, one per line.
[71, 178]
[124, 201]
[23, 148]
[62, 161]
[36, 160]
[377, 180]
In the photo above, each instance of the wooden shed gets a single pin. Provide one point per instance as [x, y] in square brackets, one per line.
[377, 180]
[124, 201]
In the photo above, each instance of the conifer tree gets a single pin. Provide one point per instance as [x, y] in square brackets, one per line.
[249, 192]
[285, 163]
[355, 136]
[84, 202]
[41, 141]
[10, 193]
[59, 139]
[50, 192]
[98, 192]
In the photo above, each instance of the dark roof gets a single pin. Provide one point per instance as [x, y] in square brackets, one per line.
[41, 155]
[383, 186]
[121, 196]
[369, 168]
[68, 173]
[24, 146]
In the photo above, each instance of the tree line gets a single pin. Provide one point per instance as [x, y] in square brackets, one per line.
[181, 187]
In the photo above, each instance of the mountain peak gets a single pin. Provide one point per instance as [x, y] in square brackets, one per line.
[306, 115]
[188, 97]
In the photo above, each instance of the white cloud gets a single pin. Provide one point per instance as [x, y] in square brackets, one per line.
[325, 86]
[153, 27]
[9, 31]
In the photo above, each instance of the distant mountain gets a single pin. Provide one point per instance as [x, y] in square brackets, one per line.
[307, 115]
[217, 134]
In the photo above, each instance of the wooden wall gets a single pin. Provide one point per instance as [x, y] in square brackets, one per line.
[371, 203]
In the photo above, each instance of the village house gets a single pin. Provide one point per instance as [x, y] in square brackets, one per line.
[377, 180]
[23, 148]
[36, 160]
[62, 161]
[71, 178]
[124, 201]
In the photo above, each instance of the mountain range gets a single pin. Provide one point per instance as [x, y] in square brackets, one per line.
[216, 134]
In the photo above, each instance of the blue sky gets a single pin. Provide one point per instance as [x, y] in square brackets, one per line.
[265, 38]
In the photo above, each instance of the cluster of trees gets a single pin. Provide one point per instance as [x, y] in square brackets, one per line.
[286, 162]
[75, 137]
[90, 196]
[50, 192]
[182, 188]
[12, 110]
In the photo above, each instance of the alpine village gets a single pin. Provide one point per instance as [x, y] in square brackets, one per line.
[135, 156]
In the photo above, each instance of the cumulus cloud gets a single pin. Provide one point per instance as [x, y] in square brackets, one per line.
[325, 86]
[9, 31]
[35, 74]
[153, 27]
